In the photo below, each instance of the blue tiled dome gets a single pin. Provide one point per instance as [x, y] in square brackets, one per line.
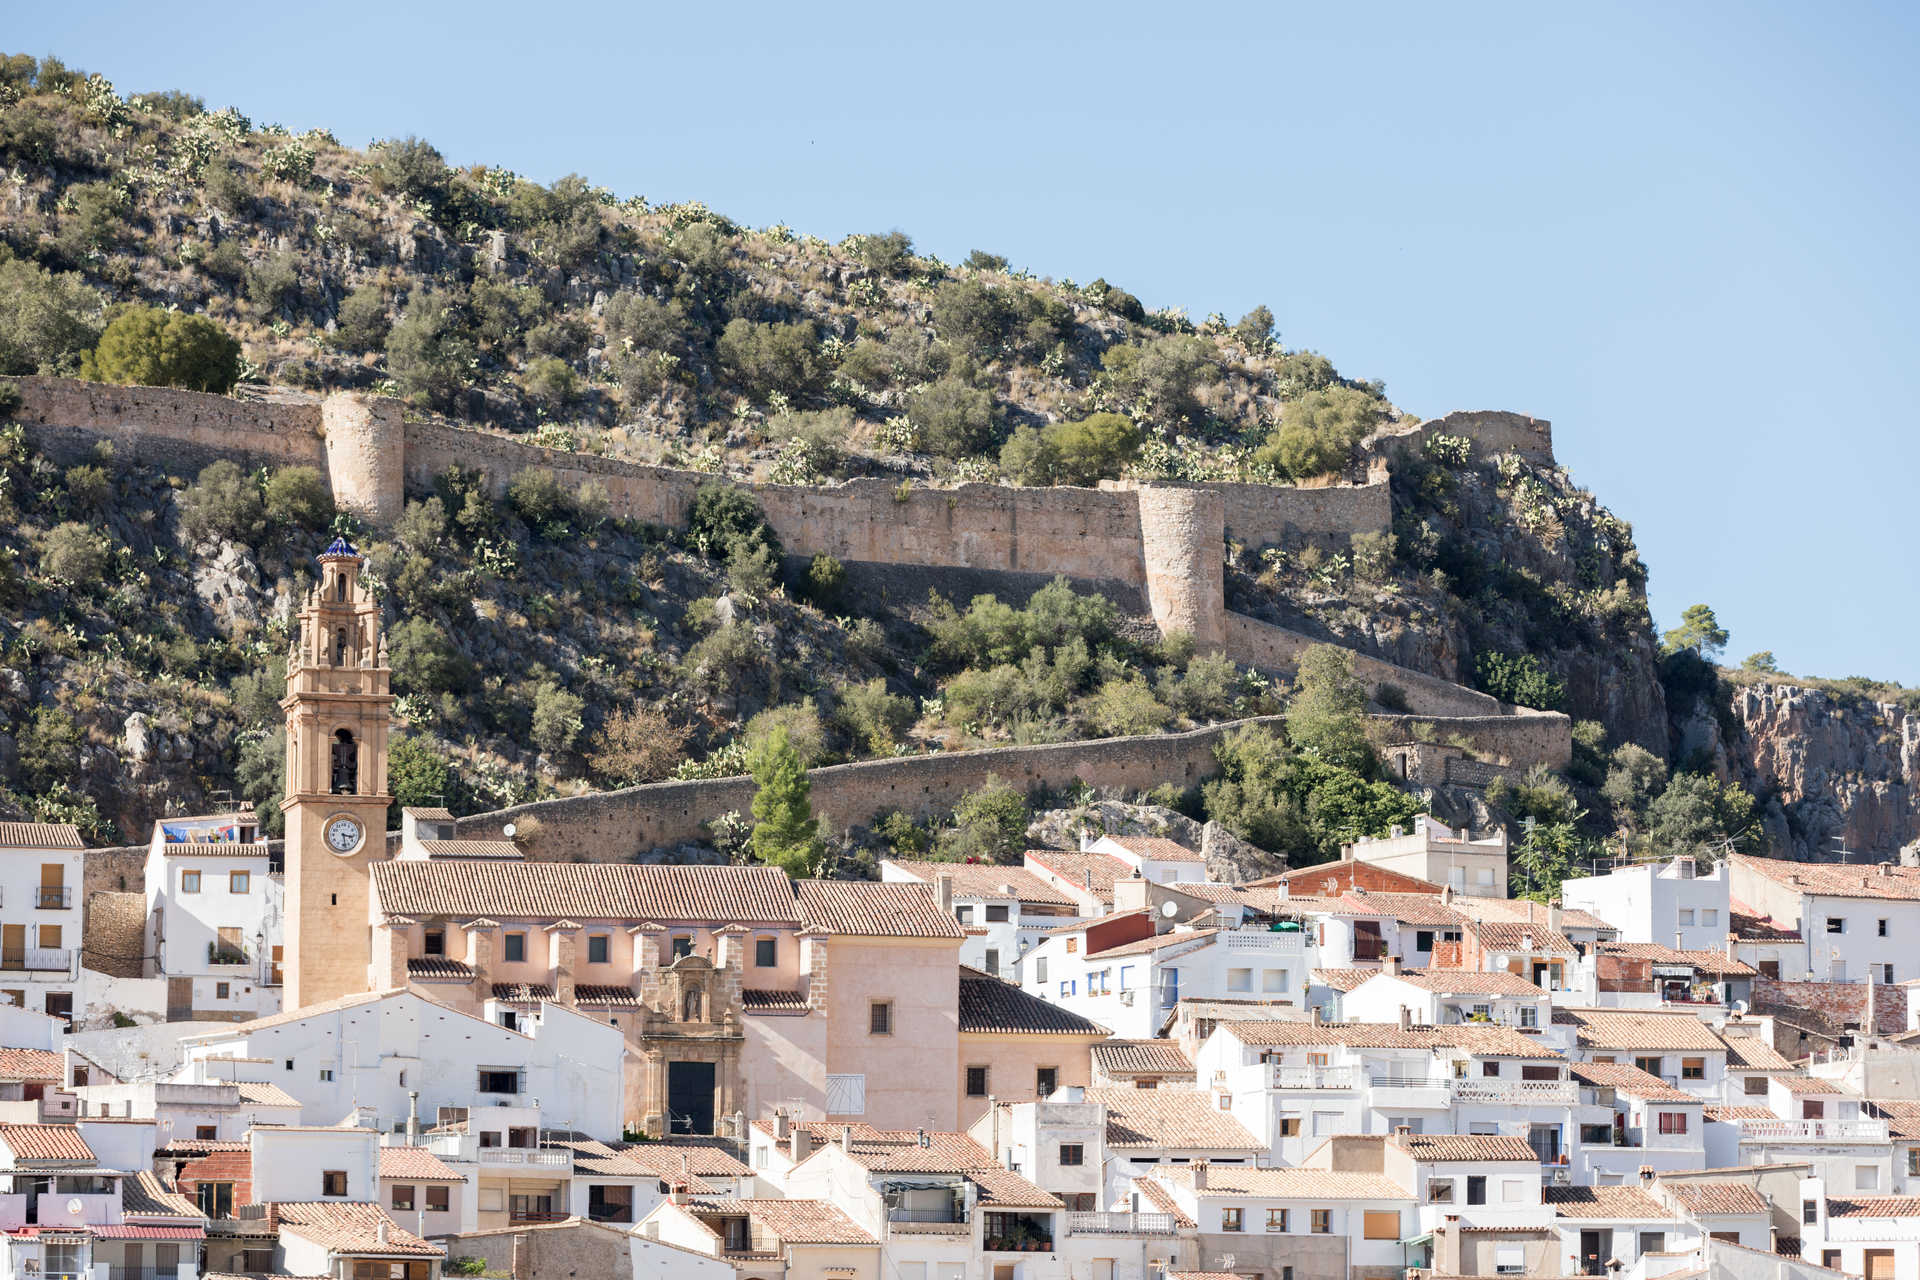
[340, 549]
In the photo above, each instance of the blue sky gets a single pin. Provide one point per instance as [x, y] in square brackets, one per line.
[1681, 232]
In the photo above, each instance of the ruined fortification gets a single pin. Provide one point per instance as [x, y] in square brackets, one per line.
[1161, 544]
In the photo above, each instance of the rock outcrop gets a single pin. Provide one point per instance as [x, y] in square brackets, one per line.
[1828, 765]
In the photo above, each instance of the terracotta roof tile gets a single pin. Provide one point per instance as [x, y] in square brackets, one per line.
[1313, 879]
[1081, 926]
[1488, 1039]
[1629, 1080]
[1710, 962]
[1751, 1053]
[1086, 872]
[1901, 1114]
[1431, 1147]
[1159, 942]
[990, 1006]
[1141, 1057]
[1288, 1184]
[45, 1142]
[1526, 911]
[1604, 1202]
[1156, 1194]
[351, 1228]
[1731, 1115]
[605, 997]
[522, 992]
[772, 1001]
[1156, 848]
[1884, 882]
[1409, 908]
[1500, 935]
[1753, 925]
[792, 1221]
[261, 1094]
[1342, 979]
[1880, 1207]
[425, 813]
[862, 908]
[499, 849]
[40, 835]
[1004, 1189]
[987, 880]
[585, 890]
[31, 1064]
[1637, 1029]
[1715, 1197]
[1170, 1119]
[416, 1164]
[145, 1196]
[1796, 1083]
[438, 969]
[1470, 982]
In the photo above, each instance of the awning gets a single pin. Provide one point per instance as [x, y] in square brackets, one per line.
[133, 1231]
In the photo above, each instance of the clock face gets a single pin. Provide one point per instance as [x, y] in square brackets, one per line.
[343, 835]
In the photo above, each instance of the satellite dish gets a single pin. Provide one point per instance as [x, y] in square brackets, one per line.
[508, 830]
[76, 1206]
[1169, 910]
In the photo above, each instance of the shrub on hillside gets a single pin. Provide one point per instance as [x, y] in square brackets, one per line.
[723, 514]
[772, 358]
[1519, 678]
[412, 168]
[428, 354]
[557, 717]
[637, 744]
[423, 659]
[989, 825]
[47, 320]
[1161, 380]
[275, 283]
[1318, 432]
[890, 253]
[146, 346]
[952, 418]
[877, 718]
[74, 552]
[224, 502]
[298, 497]
[1081, 452]
[362, 323]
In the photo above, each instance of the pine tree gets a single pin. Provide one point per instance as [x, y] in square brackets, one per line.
[785, 832]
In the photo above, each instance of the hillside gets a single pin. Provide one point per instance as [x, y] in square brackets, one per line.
[546, 648]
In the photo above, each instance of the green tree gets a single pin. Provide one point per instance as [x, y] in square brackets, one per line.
[989, 825]
[47, 321]
[1519, 678]
[1634, 777]
[1762, 661]
[785, 832]
[1547, 854]
[428, 353]
[411, 167]
[1252, 795]
[146, 346]
[1255, 330]
[299, 498]
[981, 260]
[1094, 448]
[723, 514]
[951, 418]
[1163, 379]
[422, 658]
[799, 721]
[362, 323]
[890, 253]
[224, 502]
[1703, 818]
[557, 717]
[1327, 714]
[417, 774]
[74, 552]
[877, 718]
[1699, 631]
[1318, 431]
[772, 358]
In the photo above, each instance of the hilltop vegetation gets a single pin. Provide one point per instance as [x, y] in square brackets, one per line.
[541, 647]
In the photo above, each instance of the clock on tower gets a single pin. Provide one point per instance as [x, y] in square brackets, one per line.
[337, 707]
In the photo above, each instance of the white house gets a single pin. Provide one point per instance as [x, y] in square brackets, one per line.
[1642, 1122]
[1438, 854]
[1152, 858]
[1442, 997]
[216, 1111]
[365, 1054]
[1678, 903]
[1312, 1224]
[1601, 1225]
[1005, 910]
[215, 912]
[1847, 923]
[83, 1202]
[42, 867]
[1673, 1045]
[1873, 1236]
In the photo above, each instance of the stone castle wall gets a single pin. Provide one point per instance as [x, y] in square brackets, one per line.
[1517, 741]
[181, 430]
[1253, 643]
[1492, 431]
[1270, 515]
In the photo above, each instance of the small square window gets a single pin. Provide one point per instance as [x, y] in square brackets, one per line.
[766, 953]
[1709, 915]
[599, 948]
[205, 1133]
[1883, 928]
[1072, 1154]
[326, 1075]
[963, 914]
[997, 913]
[434, 942]
[1230, 1220]
[976, 1082]
[189, 882]
[437, 1199]
[1276, 1219]
[1693, 1068]
[1686, 915]
[880, 1018]
[1836, 924]
[222, 991]
[238, 881]
[402, 1196]
[682, 945]
[1322, 1222]
[514, 949]
[1046, 1080]
[333, 1182]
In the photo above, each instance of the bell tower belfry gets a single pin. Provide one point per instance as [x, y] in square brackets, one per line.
[337, 707]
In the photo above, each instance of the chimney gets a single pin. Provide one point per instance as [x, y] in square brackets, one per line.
[380, 1229]
[1406, 1018]
[1390, 964]
[943, 892]
[273, 1217]
[1086, 878]
[1446, 893]
[413, 1117]
[1199, 1168]
[782, 1127]
[1403, 1130]
[800, 1143]
[1318, 1020]
[678, 1193]
[1554, 916]
[846, 1137]
[1646, 1175]
[1886, 868]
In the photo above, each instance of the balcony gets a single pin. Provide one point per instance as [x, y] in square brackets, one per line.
[928, 1222]
[518, 1216]
[1416, 1091]
[1314, 1077]
[1264, 943]
[1120, 1224]
[525, 1157]
[1522, 1093]
[53, 898]
[1813, 1131]
[38, 959]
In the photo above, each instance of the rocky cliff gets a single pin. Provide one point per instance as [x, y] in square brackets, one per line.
[1826, 764]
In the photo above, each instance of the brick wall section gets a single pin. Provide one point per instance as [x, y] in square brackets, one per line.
[219, 1166]
[1839, 1002]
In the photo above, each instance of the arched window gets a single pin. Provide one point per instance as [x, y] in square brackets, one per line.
[340, 587]
[690, 1009]
[346, 764]
[340, 647]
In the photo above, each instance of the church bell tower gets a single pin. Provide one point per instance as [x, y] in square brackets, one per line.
[337, 707]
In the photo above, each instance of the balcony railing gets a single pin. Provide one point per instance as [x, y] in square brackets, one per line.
[537, 1215]
[1120, 1224]
[526, 1156]
[53, 899]
[1405, 1080]
[38, 959]
[1314, 1077]
[1517, 1092]
[1815, 1130]
[925, 1215]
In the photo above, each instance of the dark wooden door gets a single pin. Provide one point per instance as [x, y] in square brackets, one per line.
[689, 1097]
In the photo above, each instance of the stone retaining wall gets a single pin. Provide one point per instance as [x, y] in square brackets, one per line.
[1253, 643]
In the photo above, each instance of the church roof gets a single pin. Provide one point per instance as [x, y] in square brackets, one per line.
[340, 549]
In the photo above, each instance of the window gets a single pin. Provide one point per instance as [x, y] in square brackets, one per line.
[1066, 986]
[1273, 981]
[1380, 1224]
[222, 990]
[1866, 1177]
[682, 945]
[1046, 1080]
[1882, 928]
[1440, 1191]
[1886, 974]
[1596, 1135]
[1653, 1242]
[189, 882]
[1685, 916]
[1756, 1086]
[1509, 1260]
[997, 914]
[1423, 940]
[1230, 1220]
[880, 1018]
[1809, 1212]
[992, 963]
[515, 950]
[333, 1182]
[1913, 1162]
[1224, 1101]
[1321, 1222]
[238, 881]
[766, 953]
[1709, 915]
[1476, 1188]
[434, 943]
[326, 1075]
[1072, 1154]
[402, 1197]
[1290, 1128]
[1649, 1065]
[437, 1199]
[599, 946]
[496, 1081]
[1040, 971]
[1276, 1219]
[1693, 1068]
[1490, 1069]
[963, 914]
[1812, 1109]
[489, 1137]
[205, 1132]
[1529, 1016]
[1126, 977]
[216, 1199]
[1673, 1122]
[976, 1082]
[1836, 924]
[1240, 980]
